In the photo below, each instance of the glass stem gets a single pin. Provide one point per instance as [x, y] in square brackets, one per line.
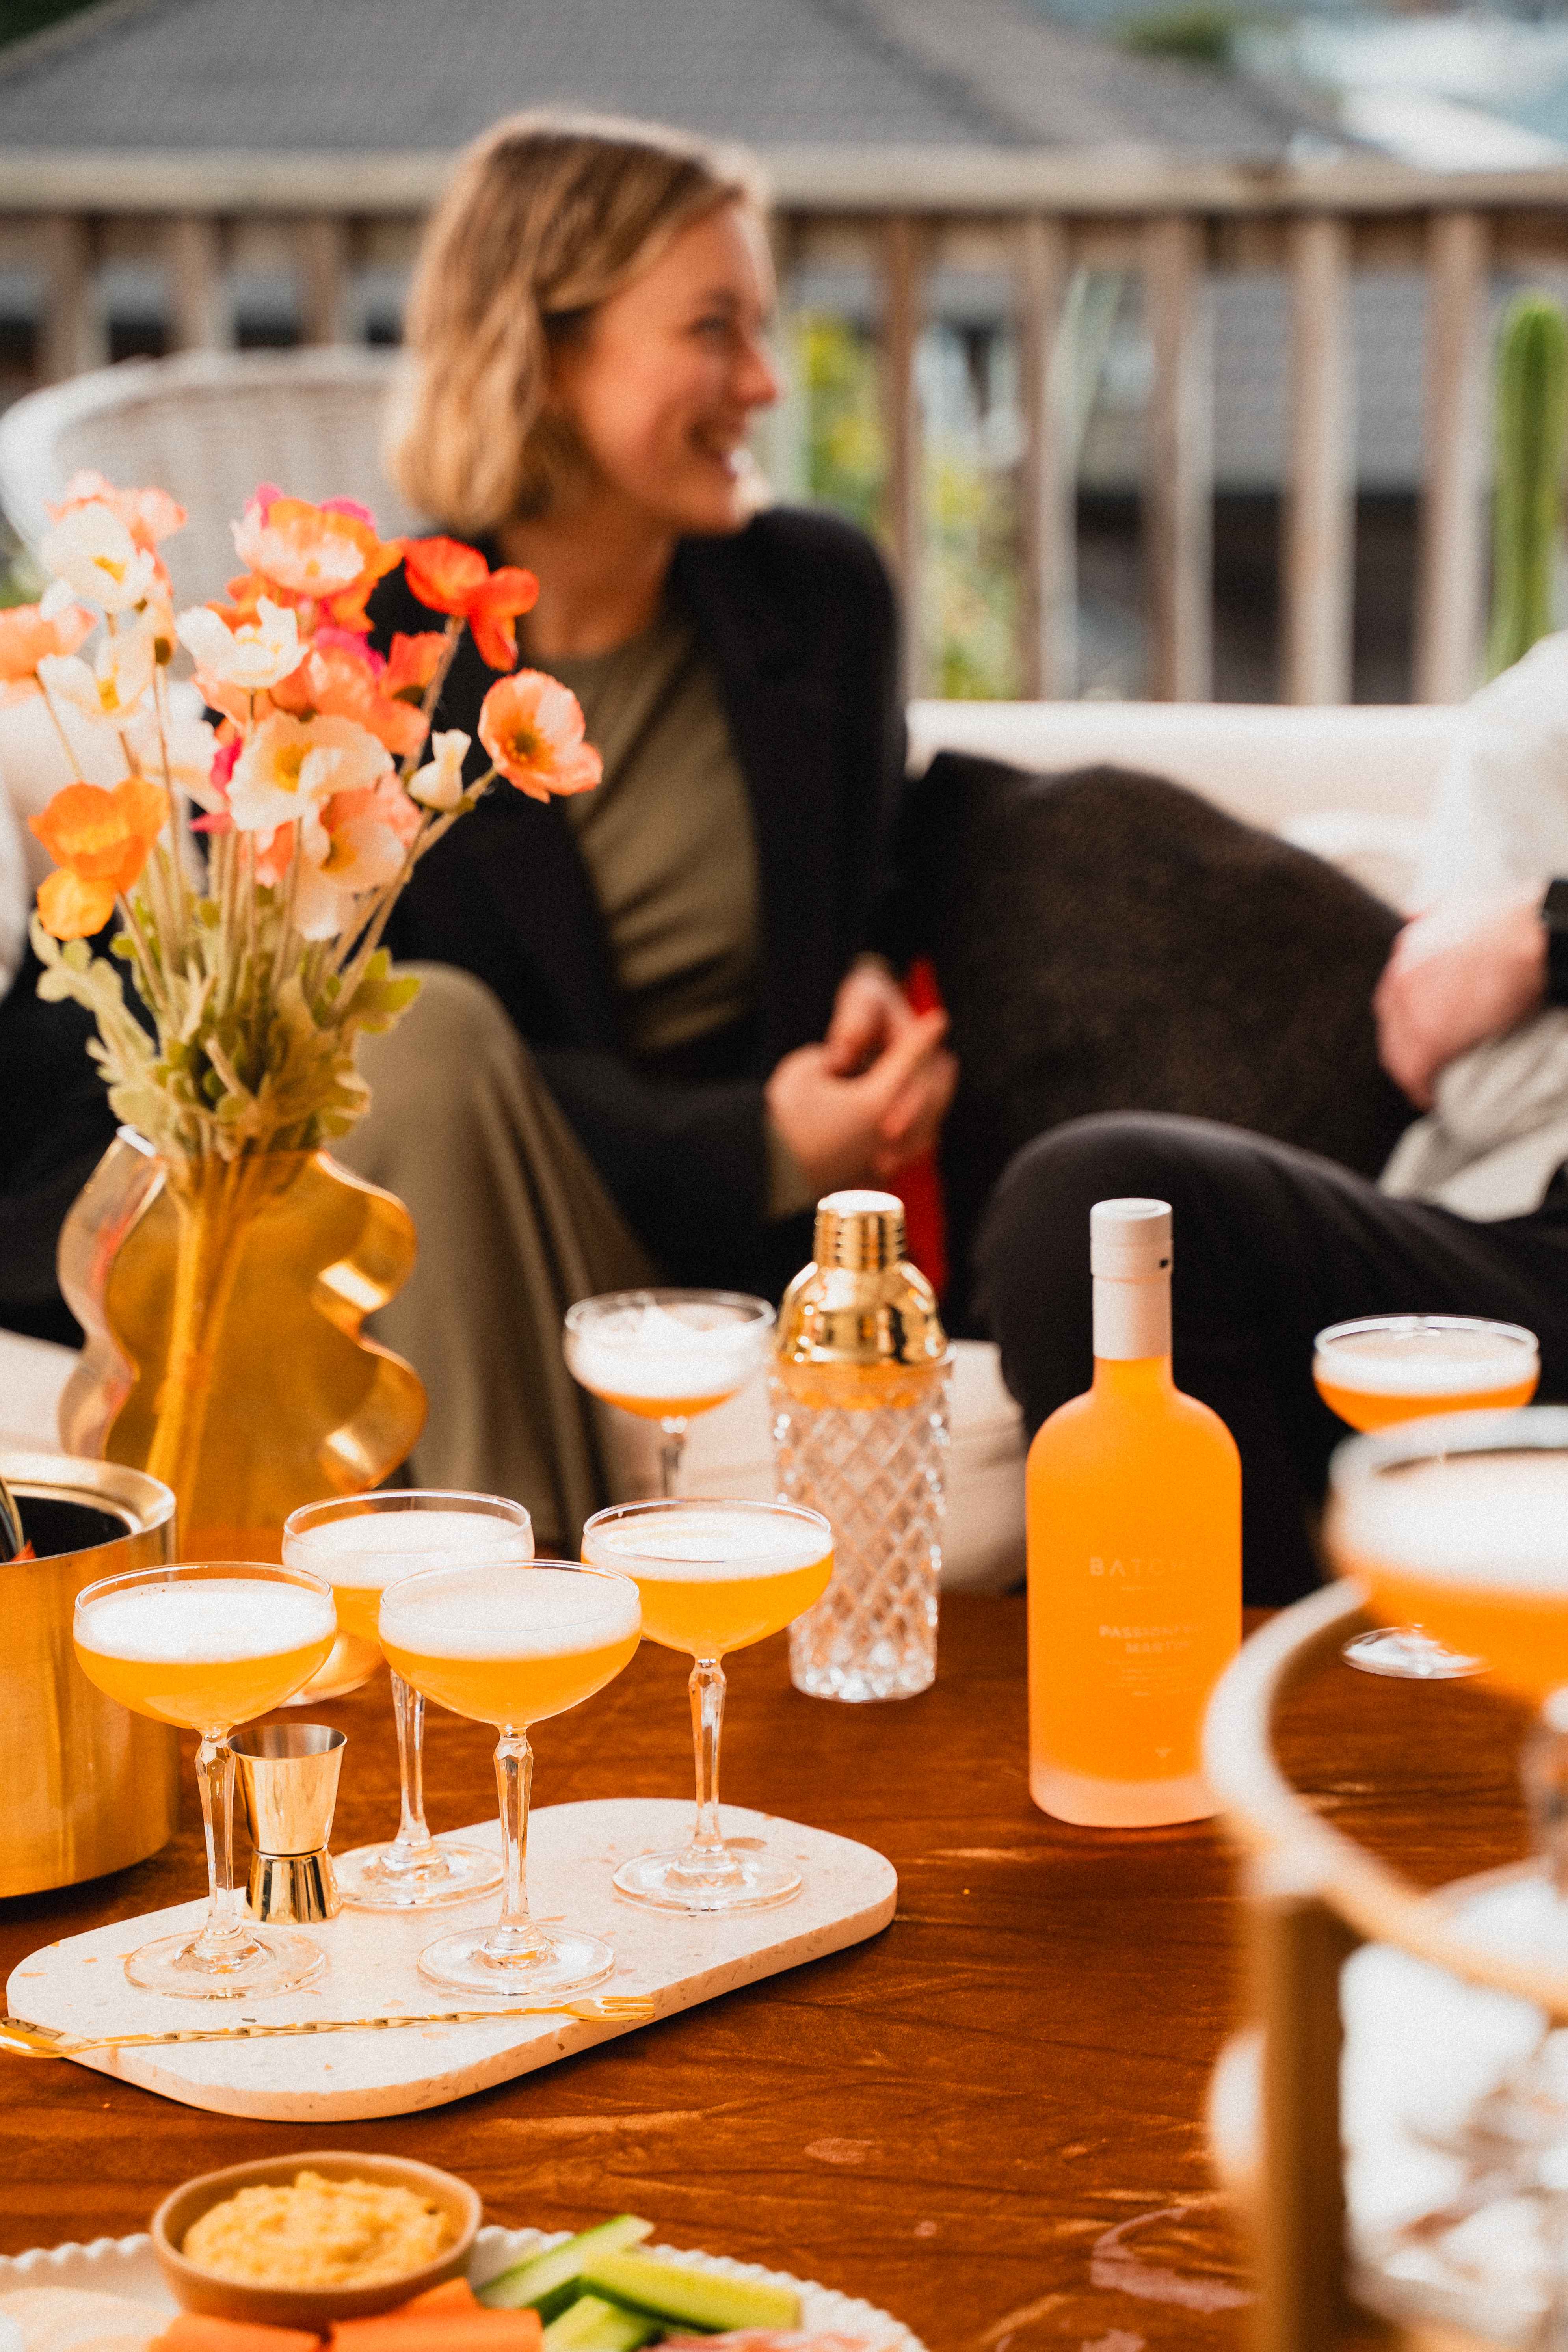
[672, 1445]
[514, 1935]
[414, 1843]
[225, 1927]
[707, 1851]
[1543, 1768]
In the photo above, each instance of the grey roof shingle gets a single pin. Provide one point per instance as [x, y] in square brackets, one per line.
[377, 75]
[295, 76]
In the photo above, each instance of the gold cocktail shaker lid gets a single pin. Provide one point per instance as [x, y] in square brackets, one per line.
[860, 1301]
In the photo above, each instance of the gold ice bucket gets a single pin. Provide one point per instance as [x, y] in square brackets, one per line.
[88, 1787]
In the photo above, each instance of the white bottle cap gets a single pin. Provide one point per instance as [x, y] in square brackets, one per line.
[1130, 1241]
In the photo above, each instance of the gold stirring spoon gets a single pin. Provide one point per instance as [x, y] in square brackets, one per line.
[30, 2041]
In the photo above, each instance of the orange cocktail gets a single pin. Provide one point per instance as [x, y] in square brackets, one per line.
[205, 1653]
[361, 1544]
[1383, 1369]
[511, 1646]
[666, 1355]
[208, 1645]
[1462, 1526]
[713, 1577]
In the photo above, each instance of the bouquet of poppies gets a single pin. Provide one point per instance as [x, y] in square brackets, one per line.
[255, 845]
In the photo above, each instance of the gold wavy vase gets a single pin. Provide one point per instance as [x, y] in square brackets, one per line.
[223, 1305]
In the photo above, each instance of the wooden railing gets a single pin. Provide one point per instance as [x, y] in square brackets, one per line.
[1179, 225]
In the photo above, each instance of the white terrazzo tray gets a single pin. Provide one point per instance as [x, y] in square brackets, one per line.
[78, 1985]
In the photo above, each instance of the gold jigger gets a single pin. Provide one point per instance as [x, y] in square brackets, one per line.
[288, 1777]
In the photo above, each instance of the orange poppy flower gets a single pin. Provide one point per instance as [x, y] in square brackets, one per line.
[148, 515]
[69, 908]
[452, 578]
[326, 558]
[26, 637]
[100, 840]
[411, 664]
[341, 679]
[531, 726]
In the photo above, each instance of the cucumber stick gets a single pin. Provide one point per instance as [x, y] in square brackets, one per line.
[591, 2325]
[547, 2282]
[696, 2298]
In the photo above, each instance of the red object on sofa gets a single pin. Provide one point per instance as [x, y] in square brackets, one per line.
[918, 1185]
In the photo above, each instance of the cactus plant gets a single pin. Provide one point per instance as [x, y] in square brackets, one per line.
[1532, 435]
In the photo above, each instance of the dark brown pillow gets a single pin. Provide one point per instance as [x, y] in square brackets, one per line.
[1106, 940]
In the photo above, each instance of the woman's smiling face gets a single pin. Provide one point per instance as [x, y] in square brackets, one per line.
[662, 384]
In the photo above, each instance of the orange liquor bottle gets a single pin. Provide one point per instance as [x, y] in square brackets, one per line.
[1134, 1550]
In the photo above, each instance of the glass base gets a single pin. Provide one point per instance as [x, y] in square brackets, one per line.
[749, 1882]
[1405, 1654]
[264, 1960]
[368, 1881]
[569, 1965]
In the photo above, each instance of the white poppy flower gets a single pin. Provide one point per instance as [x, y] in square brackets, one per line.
[180, 754]
[289, 766]
[112, 690]
[440, 782]
[92, 550]
[257, 655]
[336, 867]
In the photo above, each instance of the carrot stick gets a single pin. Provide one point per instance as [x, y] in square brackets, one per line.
[452, 2294]
[442, 2330]
[195, 2331]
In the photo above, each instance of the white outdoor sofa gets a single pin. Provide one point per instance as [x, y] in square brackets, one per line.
[1353, 784]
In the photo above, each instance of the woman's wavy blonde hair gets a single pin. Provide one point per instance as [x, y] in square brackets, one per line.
[545, 216]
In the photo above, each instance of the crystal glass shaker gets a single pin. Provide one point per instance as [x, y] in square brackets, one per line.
[860, 1404]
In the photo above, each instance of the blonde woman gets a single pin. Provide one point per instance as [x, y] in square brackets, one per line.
[678, 1043]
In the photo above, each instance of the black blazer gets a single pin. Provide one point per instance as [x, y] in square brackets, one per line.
[797, 615]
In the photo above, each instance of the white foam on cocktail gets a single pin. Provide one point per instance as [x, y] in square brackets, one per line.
[191, 1621]
[1494, 1520]
[517, 1612]
[705, 1543]
[370, 1549]
[1417, 1360]
[697, 1349]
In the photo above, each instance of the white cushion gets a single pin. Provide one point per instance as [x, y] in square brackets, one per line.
[730, 1452]
[1264, 762]
[32, 1374]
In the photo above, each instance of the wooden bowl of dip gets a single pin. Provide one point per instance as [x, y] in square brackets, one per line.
[308, 2306]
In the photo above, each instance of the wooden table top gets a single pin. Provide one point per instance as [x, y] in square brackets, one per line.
[988, 2120]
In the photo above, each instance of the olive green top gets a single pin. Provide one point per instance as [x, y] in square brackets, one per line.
[666, 837]
[671, 854]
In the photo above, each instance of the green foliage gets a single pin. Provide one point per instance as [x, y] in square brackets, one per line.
[245, 1060]
[1532, 438]
[969, 588]
[20, 17]
[971, 579]
[846, 461]
[1194, 32]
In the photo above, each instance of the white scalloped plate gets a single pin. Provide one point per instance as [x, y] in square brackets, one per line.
[126, 2266]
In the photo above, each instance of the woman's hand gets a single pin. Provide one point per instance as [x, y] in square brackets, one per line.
[1465, 971]
[849, 1129]
[870, 1012]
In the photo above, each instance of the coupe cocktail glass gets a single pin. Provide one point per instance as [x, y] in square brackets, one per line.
[207, 1647]
[666, 1355]
[361, 1544]
[1461, 1523]
[1381, 1369]
[714, 1576]
[510, 1647]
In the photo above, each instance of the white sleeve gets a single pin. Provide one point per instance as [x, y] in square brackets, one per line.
[1501, 812]
[15, 892]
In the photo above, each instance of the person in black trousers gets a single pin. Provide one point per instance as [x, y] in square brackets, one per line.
[1272, 1244]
